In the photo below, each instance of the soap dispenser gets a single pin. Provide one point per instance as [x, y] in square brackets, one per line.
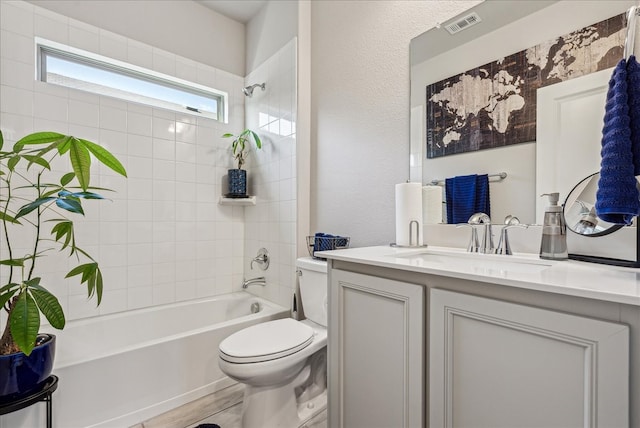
[554, 231]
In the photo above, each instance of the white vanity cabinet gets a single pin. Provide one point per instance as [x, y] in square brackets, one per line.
[376, 348]
[498, 364]
[416, 349]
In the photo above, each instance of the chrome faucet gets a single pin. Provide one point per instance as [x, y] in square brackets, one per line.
[487, 239]
[261, 280]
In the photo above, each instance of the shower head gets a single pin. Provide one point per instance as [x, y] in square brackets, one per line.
[248, 91]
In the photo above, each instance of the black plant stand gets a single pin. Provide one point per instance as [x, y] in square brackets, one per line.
[44, 394]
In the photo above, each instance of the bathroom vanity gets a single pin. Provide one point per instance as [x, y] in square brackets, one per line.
[439, 337]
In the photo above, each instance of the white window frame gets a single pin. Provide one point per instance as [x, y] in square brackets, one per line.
[46, 48]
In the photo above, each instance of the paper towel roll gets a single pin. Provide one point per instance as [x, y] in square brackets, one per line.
[432, 204]
[408, 209]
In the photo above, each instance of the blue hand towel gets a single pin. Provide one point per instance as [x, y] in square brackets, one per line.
[482, 195]
[633, 91]
[466, 195]
[617, 196]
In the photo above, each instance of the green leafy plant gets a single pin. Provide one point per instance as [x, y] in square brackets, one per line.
[29, 199]
[238, 145]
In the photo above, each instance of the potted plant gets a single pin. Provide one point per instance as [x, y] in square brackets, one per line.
[237, 178]
[33, 195]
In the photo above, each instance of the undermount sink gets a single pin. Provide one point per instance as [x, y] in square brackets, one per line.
[476, 262]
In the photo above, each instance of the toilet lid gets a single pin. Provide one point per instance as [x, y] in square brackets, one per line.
[266, 341]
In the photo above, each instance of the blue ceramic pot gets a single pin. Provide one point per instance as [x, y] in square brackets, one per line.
[21, 374]
[237, 182]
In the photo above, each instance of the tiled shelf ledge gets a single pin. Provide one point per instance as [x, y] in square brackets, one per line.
[251, 200]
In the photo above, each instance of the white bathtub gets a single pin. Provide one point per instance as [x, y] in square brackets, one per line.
[120, 369]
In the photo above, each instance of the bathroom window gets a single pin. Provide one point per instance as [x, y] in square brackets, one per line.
[74, 68]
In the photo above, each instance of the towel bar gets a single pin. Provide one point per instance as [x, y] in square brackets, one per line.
[501, 176]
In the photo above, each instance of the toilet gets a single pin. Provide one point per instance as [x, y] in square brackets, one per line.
[283, 363]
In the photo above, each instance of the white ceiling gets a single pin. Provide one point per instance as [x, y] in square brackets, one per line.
[239, 10]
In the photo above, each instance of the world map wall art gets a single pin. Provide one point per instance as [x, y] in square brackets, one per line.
[494, 105]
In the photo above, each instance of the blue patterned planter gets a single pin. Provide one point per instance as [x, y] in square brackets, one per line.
[237, 182]
[21, 374]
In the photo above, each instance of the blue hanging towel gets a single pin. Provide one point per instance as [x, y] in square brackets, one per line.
[482, 195]
[633, 91]
[617, 196]
[466, 195]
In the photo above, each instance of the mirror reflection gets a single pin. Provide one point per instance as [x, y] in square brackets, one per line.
[580, 212]
[505, 29]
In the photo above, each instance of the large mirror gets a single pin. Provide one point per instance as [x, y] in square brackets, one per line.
[504, 28]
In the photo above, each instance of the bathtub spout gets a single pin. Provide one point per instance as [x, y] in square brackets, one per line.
[254, 281]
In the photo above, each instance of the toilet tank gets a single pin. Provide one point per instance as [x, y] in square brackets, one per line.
[312, 275]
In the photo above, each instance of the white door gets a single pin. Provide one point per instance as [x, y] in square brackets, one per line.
[569, 119]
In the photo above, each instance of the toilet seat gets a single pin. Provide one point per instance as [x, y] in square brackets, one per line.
[266, 341]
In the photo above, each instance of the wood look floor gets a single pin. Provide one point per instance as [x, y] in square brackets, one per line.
[223, 408]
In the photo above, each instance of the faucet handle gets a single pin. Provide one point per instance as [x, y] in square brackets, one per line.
[473, 245]
[262, 258]
[503, 245]
[512, 220]
[479, 218]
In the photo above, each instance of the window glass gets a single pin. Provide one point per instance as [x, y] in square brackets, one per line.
[85, 71]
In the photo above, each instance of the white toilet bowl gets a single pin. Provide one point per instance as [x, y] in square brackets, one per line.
[283, 362]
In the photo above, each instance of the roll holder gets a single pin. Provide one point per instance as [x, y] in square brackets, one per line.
[417, 237]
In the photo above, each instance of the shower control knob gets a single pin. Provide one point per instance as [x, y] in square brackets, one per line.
[262, 259]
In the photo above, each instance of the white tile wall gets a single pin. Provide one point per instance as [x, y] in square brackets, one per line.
[163, 237]
[272, 175]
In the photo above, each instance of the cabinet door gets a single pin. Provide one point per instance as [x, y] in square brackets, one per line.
[376, 352]
[497, 364]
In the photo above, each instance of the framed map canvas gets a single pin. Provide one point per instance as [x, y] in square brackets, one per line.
[494, 105]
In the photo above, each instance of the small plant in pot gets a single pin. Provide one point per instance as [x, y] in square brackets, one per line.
[238, 177]
[36, 195]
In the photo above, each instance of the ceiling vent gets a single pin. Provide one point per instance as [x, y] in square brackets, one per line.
[463, 24]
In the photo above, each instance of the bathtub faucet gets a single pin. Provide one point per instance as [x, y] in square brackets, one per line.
[253, 281]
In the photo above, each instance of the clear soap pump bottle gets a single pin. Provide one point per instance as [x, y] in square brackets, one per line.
[554, 231]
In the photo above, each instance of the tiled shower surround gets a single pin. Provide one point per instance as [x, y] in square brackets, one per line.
[163, 237]
[272, 175]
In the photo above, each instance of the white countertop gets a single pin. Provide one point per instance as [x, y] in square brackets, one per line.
[572, 278]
